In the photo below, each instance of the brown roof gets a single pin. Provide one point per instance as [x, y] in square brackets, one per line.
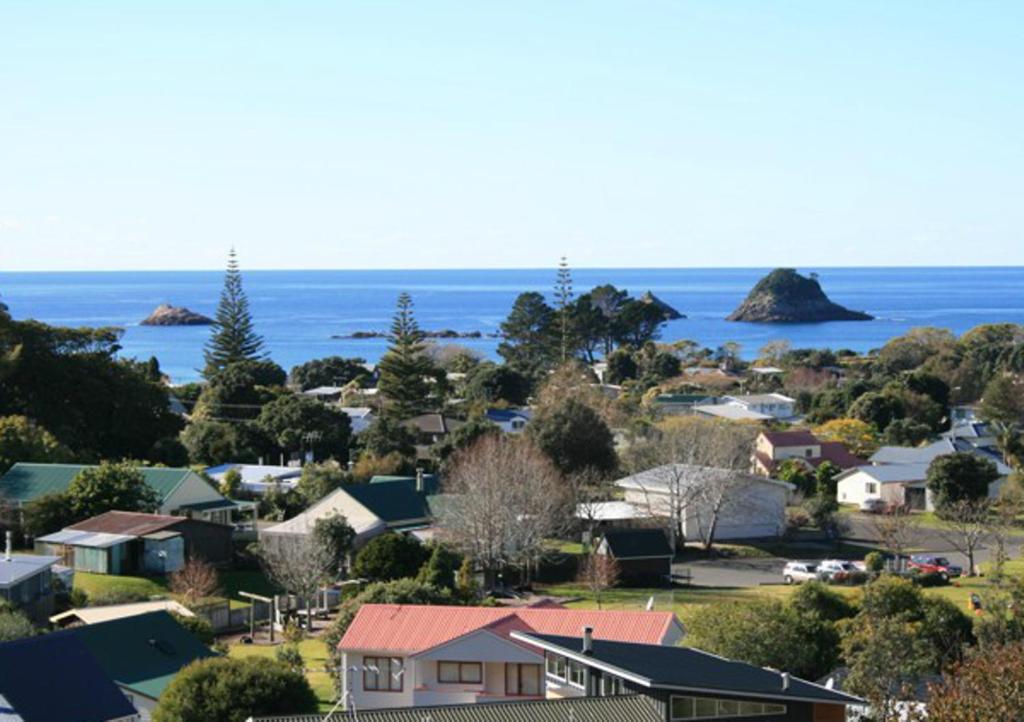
[800, 437]
[127, 522]
[839, 455]
[434, 423]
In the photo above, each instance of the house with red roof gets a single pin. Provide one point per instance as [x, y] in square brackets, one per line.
[399, 655]
[772, 448]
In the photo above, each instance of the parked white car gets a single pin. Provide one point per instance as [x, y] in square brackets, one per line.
[835, 569]
[796, 572]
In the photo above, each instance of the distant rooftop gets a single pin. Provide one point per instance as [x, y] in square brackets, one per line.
[22, 566]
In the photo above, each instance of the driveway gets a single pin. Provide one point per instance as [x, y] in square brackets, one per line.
[732, 572]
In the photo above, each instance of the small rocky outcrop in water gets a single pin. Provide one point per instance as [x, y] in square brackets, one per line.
[670, 313]
[168, 315]
[784, 296]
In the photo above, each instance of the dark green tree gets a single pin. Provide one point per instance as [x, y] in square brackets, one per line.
[390, 556]
[463, 437]
[574, 437]
[299, 423]
[638, 322]
[963, 476]
[234, 337]
[70, 382]
[589, 327]
[333, 532]
[490, 383]
[225, 689]
[238, 391]
[23, 440]
[529, 336]
[319, 480]
[441, 568]
[405, 367]
[47, 514]
[388, 436]
[621, 366]
[906, 432]
[609, 301]
[877, 409]
[330, 371]
[119, 486]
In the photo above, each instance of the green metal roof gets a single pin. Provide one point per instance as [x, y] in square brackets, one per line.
[634, 708]
[143, 652]
[393, 501]
[27, 482]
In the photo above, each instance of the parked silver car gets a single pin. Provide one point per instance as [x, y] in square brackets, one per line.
[796, 572]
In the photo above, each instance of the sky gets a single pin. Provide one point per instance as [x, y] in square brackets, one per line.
[477, 134]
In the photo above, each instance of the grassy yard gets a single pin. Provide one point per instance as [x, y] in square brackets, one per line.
[314, 656]
[99, 585]
[685, 601]
[231, 582]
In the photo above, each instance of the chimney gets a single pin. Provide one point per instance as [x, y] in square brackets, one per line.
[785, 681]
[588, 640]
[419, 479]
[9, 547]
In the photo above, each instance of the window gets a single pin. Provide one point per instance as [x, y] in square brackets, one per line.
[696, 708]
[576, 674]
[556, 667]
[382, 674]
[460, 672]
[809, 453]
[522, 680]
[870, 487]
[611, 686]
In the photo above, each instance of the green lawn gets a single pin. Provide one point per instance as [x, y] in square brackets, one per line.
[96, 585]
[231, 582]
[314, 656]
[685, 601]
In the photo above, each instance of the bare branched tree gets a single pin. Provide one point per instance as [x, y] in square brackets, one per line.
[965, 525]
[590, 490]
[896, 530]
[503, 499]
[300, 563]
[695, 468]
[194, 581]
[599, 572]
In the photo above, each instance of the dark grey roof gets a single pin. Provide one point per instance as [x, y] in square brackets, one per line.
[55, 678]
[689, 669]
[634, 708]
[637, 543]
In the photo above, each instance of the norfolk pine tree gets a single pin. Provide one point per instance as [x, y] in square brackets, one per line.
[405, 367]
[234, 338]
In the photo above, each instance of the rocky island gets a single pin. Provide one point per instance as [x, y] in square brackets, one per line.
[667, 311]
[784, 296]
[168, 315]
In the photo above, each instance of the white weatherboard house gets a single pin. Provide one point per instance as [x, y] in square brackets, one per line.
[899, 484]
[778, 406]
[412, 655]
[754, 507]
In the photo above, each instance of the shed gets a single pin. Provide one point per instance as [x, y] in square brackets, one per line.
[644, 556]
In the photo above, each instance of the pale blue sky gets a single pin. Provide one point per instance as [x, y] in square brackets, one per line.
[387, 134]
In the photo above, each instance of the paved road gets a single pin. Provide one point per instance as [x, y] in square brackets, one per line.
[754, 572]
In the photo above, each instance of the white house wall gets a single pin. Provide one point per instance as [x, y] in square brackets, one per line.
[193, 490]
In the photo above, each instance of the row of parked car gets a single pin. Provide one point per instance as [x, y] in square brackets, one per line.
[839, 570]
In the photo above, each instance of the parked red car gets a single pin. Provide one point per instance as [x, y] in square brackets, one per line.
[928, 564]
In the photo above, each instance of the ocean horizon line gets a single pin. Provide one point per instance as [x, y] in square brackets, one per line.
[440, 269]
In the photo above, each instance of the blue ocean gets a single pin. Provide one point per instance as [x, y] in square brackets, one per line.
[298, 312]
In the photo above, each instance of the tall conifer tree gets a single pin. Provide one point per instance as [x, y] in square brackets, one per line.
[405, 367]
[234, 339]
[563, 300]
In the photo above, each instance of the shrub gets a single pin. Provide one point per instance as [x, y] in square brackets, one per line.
[930, 579]
[874, 562]
[232, 690]
[288, 654]
[199, 627]
[390, 556]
